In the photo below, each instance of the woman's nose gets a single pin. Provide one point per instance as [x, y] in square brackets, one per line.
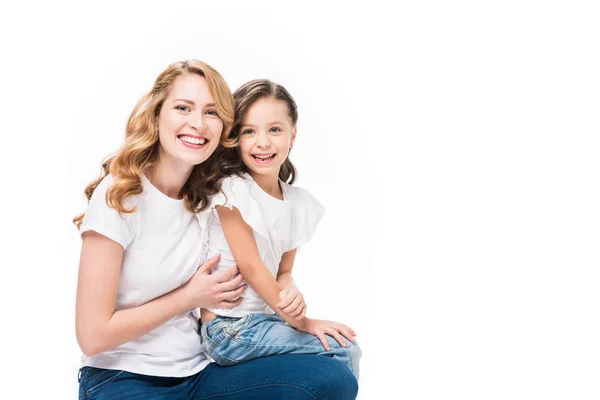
[196, 122]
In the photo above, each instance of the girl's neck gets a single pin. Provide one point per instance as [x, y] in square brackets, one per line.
[269, 184]
[168, 177]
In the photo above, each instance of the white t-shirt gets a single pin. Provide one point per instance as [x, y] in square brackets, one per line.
[163, 247]
[278, 226]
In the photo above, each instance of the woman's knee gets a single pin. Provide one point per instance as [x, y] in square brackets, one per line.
[333, 379]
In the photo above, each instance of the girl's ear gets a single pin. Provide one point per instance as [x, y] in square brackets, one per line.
[293, 137]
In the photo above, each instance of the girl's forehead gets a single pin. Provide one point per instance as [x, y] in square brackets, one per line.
[267, 109]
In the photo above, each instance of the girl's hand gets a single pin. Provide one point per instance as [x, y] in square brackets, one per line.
[204, 290]
[291, 302]
[320, 327]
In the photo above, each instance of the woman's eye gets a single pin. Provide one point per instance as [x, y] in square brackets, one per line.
[212, 112]
[183, 108]
[247, 131]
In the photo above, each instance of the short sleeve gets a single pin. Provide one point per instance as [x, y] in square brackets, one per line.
[235, 192]
[308, 213]
[106, 220]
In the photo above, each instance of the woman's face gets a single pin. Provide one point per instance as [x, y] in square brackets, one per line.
[266, 136]
[188, 124]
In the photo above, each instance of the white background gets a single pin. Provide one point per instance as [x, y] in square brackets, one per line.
[455, 145]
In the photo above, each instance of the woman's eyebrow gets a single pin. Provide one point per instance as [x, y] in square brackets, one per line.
[190, 102]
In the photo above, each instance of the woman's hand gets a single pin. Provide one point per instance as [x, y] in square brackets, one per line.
[319, 328]
[221, 290]
[291, 302]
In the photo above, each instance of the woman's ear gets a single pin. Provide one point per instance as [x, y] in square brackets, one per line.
[293, 137]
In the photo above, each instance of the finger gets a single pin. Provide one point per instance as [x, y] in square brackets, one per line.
[298, 310]
[208, 265]
[231, 285]
[285, 298]
[230, 304]
[346, 328]
[292, 307]
[332, 332]
[324, 341]
[347, 333]
[227, 274]
[302, 312]
[233, 293]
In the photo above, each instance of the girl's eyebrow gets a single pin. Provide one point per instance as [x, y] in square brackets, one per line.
[269, 123]
[193, 104]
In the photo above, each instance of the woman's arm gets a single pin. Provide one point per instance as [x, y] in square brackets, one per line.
[241, 241]
[99, 327]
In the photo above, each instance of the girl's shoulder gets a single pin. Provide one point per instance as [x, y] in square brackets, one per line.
[234, 192]
[301, 196]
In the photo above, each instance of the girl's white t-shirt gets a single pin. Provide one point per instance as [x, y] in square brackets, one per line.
[278, 227]
[163, 247]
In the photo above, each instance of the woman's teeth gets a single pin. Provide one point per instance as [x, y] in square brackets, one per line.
[192, 140]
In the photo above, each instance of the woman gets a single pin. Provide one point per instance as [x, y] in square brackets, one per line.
[139, 281]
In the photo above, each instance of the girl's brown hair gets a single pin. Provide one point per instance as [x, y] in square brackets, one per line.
[140, 149]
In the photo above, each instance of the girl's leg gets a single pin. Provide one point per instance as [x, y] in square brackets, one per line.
[292, 377]
[108, 384]
[261, 335]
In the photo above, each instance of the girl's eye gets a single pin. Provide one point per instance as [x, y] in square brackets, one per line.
[183, 108]
[275, 129]
[247, 132]
[212, 112]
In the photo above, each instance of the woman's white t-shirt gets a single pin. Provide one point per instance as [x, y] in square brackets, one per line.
[278, 227]
[163, 247]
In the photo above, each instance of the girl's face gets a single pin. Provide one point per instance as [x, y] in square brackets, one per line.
[266, 136]
[188, 124]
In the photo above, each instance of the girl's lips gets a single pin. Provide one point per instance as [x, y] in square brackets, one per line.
[263, 159]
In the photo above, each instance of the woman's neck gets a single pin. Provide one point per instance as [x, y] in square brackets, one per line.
[168, 178]
[269, 184]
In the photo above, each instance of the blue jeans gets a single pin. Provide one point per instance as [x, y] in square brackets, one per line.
[278, 377]
[232, 341]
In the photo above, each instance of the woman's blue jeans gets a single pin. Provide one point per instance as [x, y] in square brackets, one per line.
[287, 376]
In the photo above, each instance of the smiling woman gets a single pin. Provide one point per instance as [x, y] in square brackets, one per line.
[189, 119]
[139, 284]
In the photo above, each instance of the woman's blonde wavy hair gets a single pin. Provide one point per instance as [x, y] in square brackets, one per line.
[140, 149]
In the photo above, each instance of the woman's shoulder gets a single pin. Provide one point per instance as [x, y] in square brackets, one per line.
[109, 182]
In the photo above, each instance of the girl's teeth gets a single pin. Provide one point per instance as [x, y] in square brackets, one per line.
[191, 140]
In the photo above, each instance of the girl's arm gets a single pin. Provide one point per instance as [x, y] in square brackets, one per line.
[284, 274]
[99, 327]
[291, 300]
[241, 241]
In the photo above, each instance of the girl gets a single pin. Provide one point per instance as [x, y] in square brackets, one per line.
[139, 280]
[258, 221]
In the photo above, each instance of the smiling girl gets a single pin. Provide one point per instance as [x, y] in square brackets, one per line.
[258, 221]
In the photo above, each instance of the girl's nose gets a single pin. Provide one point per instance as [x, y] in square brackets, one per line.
[263, 141]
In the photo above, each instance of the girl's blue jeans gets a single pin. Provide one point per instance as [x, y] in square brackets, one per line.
[276, 377]
[232, 341]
